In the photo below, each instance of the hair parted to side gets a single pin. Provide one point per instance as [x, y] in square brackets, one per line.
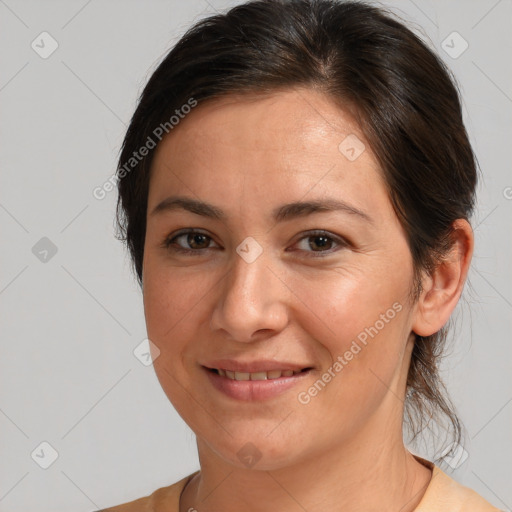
[360, 56]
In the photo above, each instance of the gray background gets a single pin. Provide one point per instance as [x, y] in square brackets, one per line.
[70, 324]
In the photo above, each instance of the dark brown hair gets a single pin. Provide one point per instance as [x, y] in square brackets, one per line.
[403, 96]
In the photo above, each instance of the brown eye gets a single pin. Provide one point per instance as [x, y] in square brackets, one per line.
[188, 242]
[197, 240]
[321, 243]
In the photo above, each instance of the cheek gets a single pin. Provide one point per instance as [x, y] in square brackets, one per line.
[172, 304]
[360, 318]
[172, 300]
[344, 304]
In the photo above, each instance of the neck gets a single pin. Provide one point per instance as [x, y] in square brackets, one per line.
[360, 475]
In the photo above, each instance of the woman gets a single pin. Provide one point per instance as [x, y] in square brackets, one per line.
[295, 188]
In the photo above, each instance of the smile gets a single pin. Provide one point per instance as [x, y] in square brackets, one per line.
[255, 386]
[267, 375]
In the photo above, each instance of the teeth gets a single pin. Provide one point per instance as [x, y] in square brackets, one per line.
[259, 376]
[272, 374]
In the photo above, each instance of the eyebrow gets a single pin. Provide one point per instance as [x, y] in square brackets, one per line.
[282, 213]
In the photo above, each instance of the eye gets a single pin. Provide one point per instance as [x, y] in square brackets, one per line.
[194, 242]
[320, 242]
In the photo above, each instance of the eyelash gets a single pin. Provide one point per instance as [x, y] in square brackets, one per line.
[170, 244]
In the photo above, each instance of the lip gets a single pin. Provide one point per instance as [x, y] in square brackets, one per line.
[254, 390]
[254, 366]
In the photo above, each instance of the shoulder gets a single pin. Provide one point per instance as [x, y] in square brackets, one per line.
[444, 493]
[165, 498]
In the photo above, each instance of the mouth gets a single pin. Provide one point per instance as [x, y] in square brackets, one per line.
[261, 375]
[258, 385]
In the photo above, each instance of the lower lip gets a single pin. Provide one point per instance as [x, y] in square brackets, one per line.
[251, 390]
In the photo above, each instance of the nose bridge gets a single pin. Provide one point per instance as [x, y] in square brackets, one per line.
[251, 298]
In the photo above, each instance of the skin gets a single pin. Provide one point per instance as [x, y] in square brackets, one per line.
[343, 450]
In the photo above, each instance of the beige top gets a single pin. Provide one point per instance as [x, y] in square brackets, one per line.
[443, 494]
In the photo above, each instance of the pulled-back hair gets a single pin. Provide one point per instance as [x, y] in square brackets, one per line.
[366, 61]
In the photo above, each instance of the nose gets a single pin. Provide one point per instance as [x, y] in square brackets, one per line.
[251, 304]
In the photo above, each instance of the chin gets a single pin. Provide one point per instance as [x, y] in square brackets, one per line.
[254, 451]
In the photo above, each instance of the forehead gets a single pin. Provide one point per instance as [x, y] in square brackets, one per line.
[287, 120]
[281, 143]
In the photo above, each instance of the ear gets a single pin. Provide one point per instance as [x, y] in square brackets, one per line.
[442, 288]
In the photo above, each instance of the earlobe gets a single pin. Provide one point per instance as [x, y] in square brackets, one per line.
[442, 288]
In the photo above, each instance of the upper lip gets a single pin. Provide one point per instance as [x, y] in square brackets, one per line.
[254, 366]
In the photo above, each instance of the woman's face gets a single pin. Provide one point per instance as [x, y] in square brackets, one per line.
[262, 286]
